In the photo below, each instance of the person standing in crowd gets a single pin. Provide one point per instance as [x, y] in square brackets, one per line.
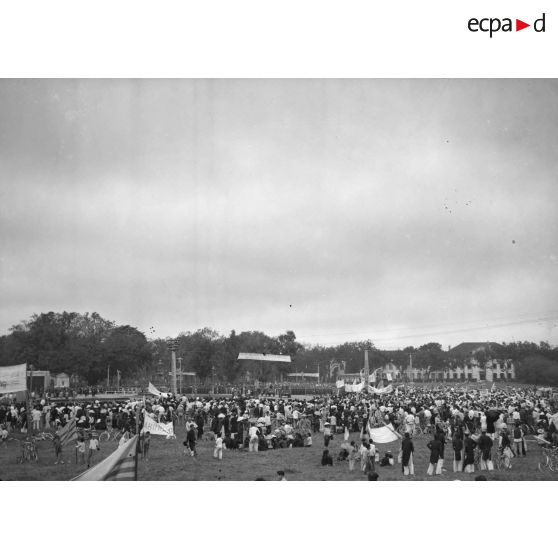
[200, 424]
[442, 439]
[485, 447]
[353, 454]
[469, 446]
[505, 445]
[93, 447]
[36, 414]
[191, 441]
[253, 433]
[407, 450]
[435, 447]
[327, 434]
[457, 443]
[145, 445]
[80, 449]
[518, 440]
[364, 457]
[57, 443]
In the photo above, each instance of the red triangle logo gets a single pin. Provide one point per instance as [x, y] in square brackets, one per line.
[519, 25]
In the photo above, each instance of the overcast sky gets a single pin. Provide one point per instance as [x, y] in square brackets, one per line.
[404, 211]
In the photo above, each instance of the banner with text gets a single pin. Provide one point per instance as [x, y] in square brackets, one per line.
[158, 428]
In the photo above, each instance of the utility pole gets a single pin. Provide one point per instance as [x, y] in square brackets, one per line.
[366, 370]
[180, 364]
[108, 376]
[213, 375]
[173, 345]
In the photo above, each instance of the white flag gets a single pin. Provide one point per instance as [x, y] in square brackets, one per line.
[154, 391]
[340, 383]
[383, 434]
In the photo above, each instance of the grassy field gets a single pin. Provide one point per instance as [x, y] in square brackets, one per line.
[168, 462]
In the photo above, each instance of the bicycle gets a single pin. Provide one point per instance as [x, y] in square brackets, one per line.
[28, 452]
[502, 460]
[549, 459]
[42, 436]
[110, 435]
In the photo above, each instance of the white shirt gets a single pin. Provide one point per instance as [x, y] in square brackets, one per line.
[253, 432]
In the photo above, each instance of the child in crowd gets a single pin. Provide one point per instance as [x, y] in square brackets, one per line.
[218, 451]
[80, 449]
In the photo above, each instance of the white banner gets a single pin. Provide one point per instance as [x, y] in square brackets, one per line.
[264, 357]
[13, 378]
[383, 434]
[354, 388]
[380, 391]
[340, 384]
[158, 428]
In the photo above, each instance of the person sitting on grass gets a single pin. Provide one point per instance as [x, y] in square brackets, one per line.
[308, 441]
[327, 459]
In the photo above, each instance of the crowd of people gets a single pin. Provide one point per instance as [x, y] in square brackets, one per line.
[473, 426]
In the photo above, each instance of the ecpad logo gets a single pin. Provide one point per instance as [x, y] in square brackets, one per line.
[492, 25]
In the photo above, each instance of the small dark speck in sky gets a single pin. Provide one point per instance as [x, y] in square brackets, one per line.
[513, 241]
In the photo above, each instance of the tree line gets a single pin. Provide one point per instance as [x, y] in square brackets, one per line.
[89, 346]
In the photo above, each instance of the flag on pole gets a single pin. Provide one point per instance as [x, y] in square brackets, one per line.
[154, 391]
[120, 465]
[68, 433]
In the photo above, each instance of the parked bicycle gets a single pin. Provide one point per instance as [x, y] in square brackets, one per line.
[28, 452]
[549, 459]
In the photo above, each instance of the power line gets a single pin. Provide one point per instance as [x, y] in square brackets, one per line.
[375, 333]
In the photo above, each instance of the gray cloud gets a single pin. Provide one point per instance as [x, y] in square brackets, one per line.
[341, 209]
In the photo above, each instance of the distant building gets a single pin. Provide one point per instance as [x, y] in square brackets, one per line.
[473, 362]
[479, 362]
[62, 380]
